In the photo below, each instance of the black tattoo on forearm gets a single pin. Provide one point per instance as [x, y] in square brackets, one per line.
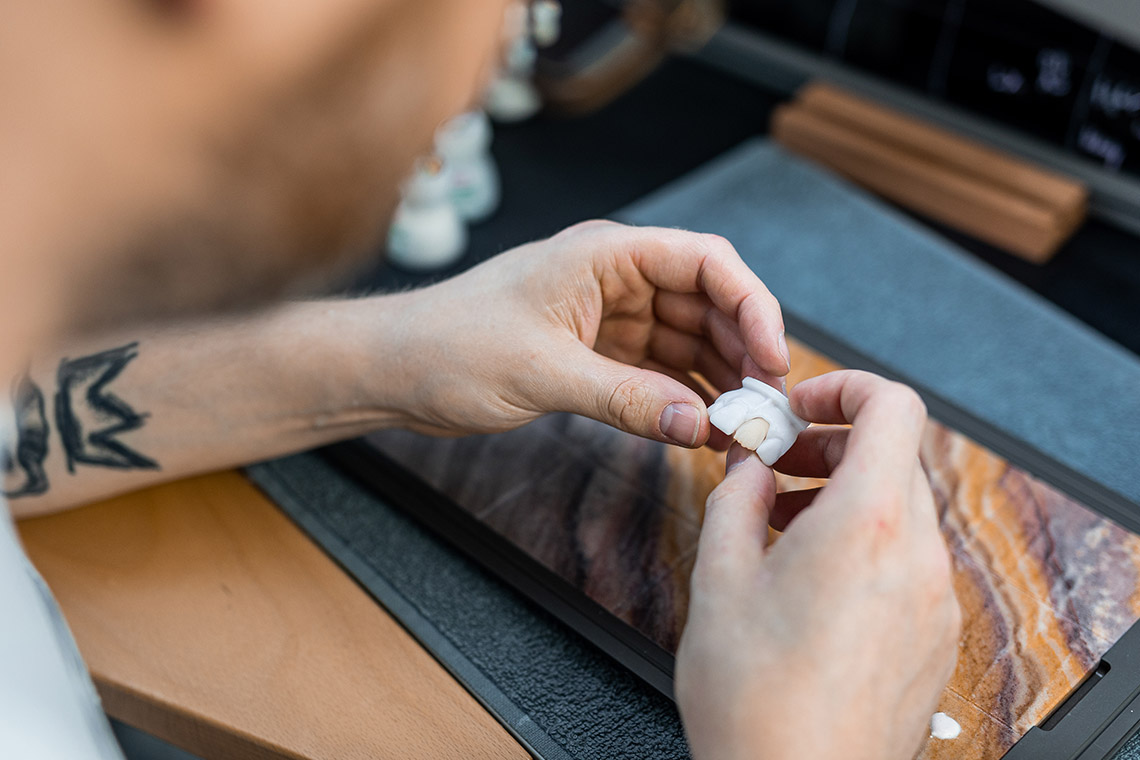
[30, 449]
[90, 418]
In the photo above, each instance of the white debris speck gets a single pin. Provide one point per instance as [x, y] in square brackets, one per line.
[942, 726]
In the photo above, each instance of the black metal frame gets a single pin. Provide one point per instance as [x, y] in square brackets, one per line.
[1093, 722]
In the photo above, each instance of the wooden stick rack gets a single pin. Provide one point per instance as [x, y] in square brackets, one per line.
[985, 193]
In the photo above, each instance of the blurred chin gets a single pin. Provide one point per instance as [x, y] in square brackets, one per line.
[200, 268]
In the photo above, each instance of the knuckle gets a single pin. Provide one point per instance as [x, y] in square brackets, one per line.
[833, 449]
[716, 242]
[769, 305]
[884, 512]
[628, 402]
[876, 531]
[590, 225]
[717, 246]
[731, 495]
[719, 496]
[908, 402]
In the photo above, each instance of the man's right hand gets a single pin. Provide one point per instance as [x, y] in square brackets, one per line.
[837, 640]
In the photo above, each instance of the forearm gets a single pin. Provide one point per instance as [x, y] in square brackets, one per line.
[125, 411]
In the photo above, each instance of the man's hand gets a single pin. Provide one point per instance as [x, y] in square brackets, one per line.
[603, 320]
[837, 640]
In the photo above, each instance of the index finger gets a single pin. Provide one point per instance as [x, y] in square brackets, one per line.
[887, 420]
[691, 262]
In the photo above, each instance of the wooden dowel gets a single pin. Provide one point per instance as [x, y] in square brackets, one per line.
[930, 187]
[1070, 198]
[971, 190]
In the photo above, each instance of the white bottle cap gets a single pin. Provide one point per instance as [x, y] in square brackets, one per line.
[546, 19]
[467, 134]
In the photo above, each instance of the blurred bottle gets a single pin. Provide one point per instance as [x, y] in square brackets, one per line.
[464, 143]
[546, 22]
[512, 95]
[426, 232]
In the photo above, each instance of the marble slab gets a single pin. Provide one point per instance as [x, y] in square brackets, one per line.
[1045, 584]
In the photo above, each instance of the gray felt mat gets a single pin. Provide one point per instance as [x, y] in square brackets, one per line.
[841, 262]
[1131, 750]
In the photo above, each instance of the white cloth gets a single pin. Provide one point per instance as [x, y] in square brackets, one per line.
[49, 709]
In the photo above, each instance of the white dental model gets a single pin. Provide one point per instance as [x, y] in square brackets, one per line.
[464, 143]
[426, 232]
[759, 417]
[512, 95]
[942, 726]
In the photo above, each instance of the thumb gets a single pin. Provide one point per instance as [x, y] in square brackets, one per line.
[734, 532]
[638, 401]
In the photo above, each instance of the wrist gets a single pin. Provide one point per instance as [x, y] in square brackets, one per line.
[361, 356]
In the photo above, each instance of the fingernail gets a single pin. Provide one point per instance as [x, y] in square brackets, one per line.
[680, 423]
[736, 455]
[782, 344]
[784, 385]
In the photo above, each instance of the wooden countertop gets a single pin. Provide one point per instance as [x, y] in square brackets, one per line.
[210, 620]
